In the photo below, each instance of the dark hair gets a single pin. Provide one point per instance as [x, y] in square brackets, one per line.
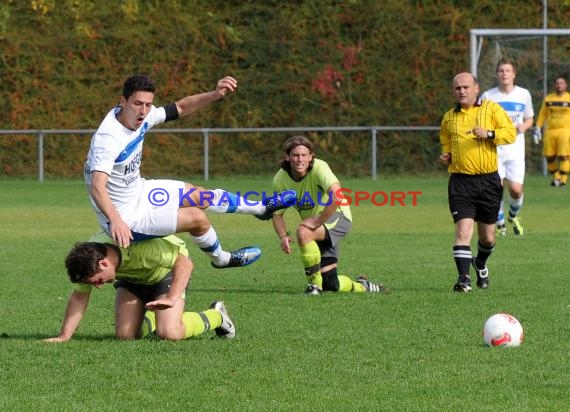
[138, 83]
[82, 262]
[292, 143]
[563, 76]
[506, 60]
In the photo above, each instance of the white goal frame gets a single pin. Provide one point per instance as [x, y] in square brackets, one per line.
[476, 42]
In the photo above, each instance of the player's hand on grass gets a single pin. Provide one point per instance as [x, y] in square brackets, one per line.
[57, 339]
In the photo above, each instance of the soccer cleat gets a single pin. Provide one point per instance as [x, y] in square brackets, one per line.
[517, 227]
[372, 287]
[278, 202]
[501, 230]
[463, 284]
[555, 182]
[313, 290]
[241, 257]
[482, 275]
[227, 329]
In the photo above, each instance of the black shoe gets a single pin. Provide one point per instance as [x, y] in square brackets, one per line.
[278, 202]
[463, 284]
[482, 275]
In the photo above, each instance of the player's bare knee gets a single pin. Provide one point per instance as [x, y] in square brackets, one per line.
[168, 334]
[304, 235]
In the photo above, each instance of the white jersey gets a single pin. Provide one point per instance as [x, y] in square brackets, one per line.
[518, 105]
[117, 151]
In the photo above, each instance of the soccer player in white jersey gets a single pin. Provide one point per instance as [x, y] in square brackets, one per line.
[517, 102]
[131, 208]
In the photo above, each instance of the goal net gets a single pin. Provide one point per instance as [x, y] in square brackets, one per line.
[539, 55]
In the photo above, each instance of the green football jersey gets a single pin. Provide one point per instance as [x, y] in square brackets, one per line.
[312, 190]
[146, 262]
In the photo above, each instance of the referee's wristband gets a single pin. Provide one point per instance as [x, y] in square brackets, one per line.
[490, 134]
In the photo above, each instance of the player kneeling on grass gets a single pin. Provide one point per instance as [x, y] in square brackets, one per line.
[325, 222]
[149, 275]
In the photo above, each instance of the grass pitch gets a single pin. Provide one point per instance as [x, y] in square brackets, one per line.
[417, 349]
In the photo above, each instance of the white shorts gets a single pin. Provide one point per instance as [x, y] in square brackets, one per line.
[156, 212]
[512, 170]
[512, 160]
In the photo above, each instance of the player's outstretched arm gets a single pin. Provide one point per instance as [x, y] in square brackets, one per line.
[192, 104]
[76, 307]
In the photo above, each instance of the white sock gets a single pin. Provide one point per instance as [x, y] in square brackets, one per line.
[223, 201]
[501, 218]
[515, 206]
[210, 244]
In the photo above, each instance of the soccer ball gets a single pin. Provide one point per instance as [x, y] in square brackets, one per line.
[503, 330]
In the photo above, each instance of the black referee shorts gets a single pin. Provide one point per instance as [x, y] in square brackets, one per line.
[475, 197]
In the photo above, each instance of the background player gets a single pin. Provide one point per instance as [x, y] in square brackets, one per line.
[517, 102]
[554, 115]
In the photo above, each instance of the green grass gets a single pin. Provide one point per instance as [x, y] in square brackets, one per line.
[417, 349]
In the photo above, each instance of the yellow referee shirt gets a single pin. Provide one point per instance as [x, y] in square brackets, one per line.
[470, 155]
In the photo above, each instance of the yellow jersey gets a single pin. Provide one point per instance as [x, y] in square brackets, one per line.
[470, 155]
[554, 112]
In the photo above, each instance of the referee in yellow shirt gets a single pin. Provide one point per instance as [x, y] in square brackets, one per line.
[469, 135]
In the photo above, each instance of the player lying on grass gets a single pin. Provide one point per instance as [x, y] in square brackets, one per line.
[324, 223]
[131, 208]
[148, 275]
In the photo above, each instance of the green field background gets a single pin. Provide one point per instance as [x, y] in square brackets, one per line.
[416, 349]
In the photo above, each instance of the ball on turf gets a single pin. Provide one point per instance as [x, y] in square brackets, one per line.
[502, 330]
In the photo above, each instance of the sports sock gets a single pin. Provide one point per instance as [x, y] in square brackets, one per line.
[210, 244]
[462, 256]
[564, 169]
[330, 280]
[501, 216]
[311, 257]
[515, 206]
[483, 254]
[223, 201]
[197, 323]
[348, 285]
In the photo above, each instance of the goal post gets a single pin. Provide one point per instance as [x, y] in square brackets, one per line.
[539, 55]
[505, 37]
